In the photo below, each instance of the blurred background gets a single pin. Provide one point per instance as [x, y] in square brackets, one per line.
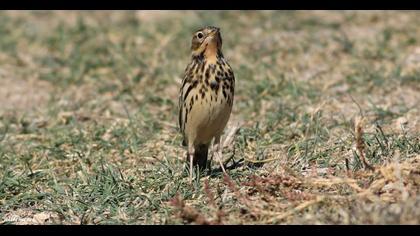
[88, 111]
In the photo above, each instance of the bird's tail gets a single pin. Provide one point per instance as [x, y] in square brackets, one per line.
[200, 156]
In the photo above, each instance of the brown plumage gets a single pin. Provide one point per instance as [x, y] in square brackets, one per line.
[205, 97]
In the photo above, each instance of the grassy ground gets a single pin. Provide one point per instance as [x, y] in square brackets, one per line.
[88, 118]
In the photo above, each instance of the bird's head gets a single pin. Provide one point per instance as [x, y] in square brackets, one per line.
[207, 41]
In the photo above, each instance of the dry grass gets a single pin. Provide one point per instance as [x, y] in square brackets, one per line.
[88, 110]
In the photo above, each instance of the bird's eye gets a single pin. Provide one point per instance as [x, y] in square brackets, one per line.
[200, 35]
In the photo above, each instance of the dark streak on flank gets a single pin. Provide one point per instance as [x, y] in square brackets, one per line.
[193, 85]
[191, 103]
[186, 116]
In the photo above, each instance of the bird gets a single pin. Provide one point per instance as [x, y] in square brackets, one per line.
[205, 98]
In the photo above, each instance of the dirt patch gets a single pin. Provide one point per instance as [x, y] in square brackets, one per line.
[23, 95]
[29, 217]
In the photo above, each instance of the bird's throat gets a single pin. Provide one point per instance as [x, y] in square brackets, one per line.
[210, 52]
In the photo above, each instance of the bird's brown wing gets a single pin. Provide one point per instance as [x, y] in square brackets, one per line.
[181, 98]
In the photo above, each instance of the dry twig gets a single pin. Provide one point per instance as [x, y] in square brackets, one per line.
[360, 146]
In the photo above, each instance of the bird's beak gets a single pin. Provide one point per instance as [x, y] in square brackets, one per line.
[214, 31]
[213, 35]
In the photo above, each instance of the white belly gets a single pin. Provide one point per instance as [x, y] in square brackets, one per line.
[208, 119]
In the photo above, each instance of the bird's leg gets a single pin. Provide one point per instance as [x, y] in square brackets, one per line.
[212, 151]
[217, 141]
[191, 156]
